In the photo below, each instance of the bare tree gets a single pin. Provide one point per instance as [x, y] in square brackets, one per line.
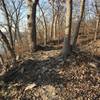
[8, 23]
[13, 15]
[10, 45]
[16, 17]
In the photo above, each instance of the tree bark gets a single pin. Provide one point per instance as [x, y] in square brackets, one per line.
[67, 36]
[32, 24]
[33, 36]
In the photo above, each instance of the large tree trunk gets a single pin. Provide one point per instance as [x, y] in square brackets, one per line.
[67, 36]
[34, 46]
[75, 36]
[32, 23]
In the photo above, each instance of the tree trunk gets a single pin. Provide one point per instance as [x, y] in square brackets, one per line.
[29, 23]
[54, 27]
[97, 21]
[32, 24]
[53, 19]
[45, 24]
[82, 6]
[67, 36]
[97, 26]
[33, 36]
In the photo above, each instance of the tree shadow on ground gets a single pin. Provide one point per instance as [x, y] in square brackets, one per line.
[48, 47]
[51, 45]
[40, 72]
[46, 71]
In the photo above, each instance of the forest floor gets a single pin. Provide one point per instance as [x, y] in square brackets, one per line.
[45, 76]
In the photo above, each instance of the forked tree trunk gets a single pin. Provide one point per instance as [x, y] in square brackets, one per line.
[32, 23]
[67, 36]
[82, 6]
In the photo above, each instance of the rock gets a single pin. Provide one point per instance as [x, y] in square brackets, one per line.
[36, 94]
[17, 57]
[60, 59]
[92, 65]
[30, 86]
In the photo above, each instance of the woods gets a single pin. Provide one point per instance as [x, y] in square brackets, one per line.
[49, 49]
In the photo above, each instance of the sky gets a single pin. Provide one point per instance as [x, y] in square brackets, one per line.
[43, 3]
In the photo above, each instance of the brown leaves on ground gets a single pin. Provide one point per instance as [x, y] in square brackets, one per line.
[49, 78]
